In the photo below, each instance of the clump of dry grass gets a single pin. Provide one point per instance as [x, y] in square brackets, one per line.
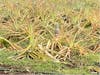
[50, 29]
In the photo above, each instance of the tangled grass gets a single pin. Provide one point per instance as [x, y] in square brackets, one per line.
[62, 31]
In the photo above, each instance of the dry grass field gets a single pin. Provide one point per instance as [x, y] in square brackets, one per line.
[61, 36]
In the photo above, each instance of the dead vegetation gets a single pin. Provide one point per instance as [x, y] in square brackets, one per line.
[51, 30]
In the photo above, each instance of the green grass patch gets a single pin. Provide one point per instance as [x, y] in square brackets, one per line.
[26, 64]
